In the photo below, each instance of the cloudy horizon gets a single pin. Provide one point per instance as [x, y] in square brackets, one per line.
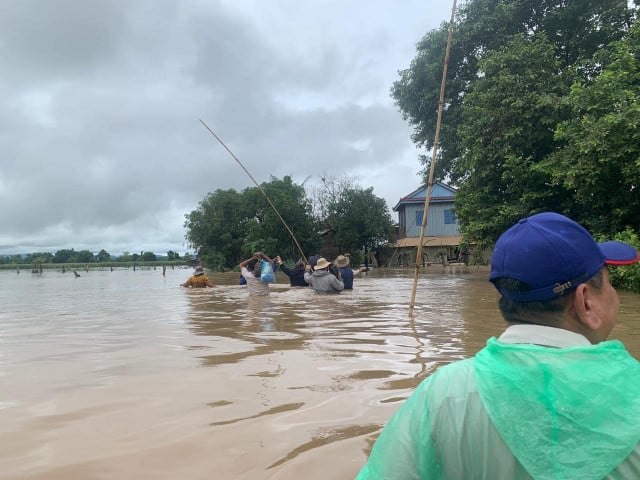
[101, 140]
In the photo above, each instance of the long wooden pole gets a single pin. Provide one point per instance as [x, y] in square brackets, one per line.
[259, 187]
[433, 161]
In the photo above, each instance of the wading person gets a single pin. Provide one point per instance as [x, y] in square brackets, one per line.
[197, 280]
[346, 272]
[296, 274]
[251, 269]
[550, 398]
[321, 279]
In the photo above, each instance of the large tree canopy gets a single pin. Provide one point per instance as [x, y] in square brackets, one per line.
[228, 226]
[512, 64]
[360, 219]
[506, 129]
[576, 29]
[266, 232]
[600, 160]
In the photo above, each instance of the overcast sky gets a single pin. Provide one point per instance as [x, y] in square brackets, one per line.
[100, 101]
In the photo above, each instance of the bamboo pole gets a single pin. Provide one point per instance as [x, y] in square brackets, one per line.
[433, 161]
[259, 188]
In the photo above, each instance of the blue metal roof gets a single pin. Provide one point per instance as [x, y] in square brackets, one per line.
[440, 192]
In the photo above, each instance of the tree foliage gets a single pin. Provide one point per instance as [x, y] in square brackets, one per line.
[103, 256]
[576, 29]
[600, 159]
[267, 232]
[512, 63]
[217, 228]
[506, 129]
[228, 226]
[360, 219]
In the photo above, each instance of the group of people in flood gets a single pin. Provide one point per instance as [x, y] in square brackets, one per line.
[323, 276]
[551, 397]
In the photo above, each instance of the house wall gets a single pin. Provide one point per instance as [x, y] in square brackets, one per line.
[435, 222]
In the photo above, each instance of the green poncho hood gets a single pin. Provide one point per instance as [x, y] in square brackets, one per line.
[564, 413]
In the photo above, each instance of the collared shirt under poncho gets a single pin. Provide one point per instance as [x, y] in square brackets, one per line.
[539, 403]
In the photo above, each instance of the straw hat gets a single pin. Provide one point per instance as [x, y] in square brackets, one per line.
[322, 263]
[199, 271]
[342, 261]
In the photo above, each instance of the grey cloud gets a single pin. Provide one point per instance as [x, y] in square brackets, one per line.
[100, 101]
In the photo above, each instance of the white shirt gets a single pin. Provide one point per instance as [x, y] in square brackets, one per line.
[543, 335]
[254, 284]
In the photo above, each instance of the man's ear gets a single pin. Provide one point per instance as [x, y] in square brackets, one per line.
[584, 305]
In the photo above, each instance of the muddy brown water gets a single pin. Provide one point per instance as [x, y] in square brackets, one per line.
[124, 374]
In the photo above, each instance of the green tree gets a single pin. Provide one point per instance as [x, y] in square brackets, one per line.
[228, 226]
[327, 192]
[18, 260]
[125, 257]
[506, 129]
[149, 256]
[83, 256]
[576, 30]
[64, 256]
[265, 229]
[511, 64]
[600, 160]
[103, 256]
[360, 219]
[217, 228]
[39, 258]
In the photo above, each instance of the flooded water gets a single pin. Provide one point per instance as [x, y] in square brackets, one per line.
[126, 375]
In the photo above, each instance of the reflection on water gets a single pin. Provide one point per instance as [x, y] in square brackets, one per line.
[125, 375]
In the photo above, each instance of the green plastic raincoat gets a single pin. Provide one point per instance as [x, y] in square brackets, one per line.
[518, 411]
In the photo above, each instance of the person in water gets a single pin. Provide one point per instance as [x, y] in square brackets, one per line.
[346, 272]
[198, 280]
[296, 275]
[322, 280]
[549, 398]
[251, 269]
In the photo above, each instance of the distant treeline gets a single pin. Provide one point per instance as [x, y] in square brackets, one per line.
[83, 257]
[111, 265]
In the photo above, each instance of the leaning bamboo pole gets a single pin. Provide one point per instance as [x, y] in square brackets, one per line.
[293, 237]
[433, 161]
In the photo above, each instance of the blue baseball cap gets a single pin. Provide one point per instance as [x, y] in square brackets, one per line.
[552, 254]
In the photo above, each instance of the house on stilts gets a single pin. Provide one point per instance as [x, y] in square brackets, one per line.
[442, 239]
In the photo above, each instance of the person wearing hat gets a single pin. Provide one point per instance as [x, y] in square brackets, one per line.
[198, 280]
[346, 272]
[321, 279]
[549, 398]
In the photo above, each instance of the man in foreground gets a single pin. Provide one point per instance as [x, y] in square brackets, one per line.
[550, 398]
